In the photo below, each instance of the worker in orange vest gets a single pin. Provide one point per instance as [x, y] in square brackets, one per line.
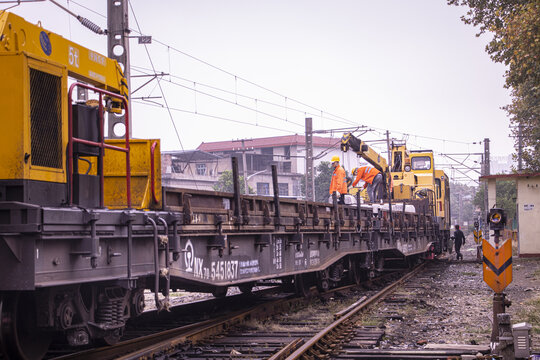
[373, 181]
[339, 180]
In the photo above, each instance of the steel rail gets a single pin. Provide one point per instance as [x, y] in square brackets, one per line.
[150, 345]
[318, 341]
[146, 346]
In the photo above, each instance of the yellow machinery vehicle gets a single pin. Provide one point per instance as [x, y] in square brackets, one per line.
[411, 176]
[442, 190]
[68, 263]
[36, 168]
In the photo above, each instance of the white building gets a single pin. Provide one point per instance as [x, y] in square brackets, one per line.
[201, 168]
[528, 209]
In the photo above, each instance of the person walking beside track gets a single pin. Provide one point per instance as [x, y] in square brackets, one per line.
[339, 180]
[459, 239]
[373, 180]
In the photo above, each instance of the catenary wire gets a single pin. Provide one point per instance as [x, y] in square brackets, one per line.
[236, 94]
[236, 77]
[232, 102]
[214, 117]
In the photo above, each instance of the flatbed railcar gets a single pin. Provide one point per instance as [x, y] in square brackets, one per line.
[86, 228]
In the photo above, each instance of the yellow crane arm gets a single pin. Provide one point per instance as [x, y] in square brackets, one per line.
[349, 141]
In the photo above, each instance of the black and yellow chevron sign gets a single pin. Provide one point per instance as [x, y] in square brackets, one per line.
[477, 236]
[497, 265]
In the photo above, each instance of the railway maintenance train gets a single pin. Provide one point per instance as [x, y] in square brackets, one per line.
[410, 176]
[86, 227]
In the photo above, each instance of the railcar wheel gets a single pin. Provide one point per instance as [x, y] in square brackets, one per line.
[19, 335]
[137, 303]
[323, 280]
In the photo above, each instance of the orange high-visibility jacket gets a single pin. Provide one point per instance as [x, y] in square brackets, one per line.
[339, 181]
[366, 173]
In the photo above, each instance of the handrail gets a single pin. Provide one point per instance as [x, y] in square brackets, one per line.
[152, 172]
[101, 144]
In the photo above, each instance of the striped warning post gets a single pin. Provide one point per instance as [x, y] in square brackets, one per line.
[497, 265]
[478, 236]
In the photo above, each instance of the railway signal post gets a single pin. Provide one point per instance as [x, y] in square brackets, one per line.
[497, 268]
[478, 239]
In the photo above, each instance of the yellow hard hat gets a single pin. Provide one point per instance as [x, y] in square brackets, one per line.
[353, 171]
[335, 158]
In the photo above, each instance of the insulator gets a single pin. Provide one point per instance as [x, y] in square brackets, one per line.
[90, 25]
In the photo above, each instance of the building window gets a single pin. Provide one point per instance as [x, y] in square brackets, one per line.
[287, 152]
[263, 188]
[267, 151]
[177, 168]
[287, 167]
[283, 189]
[201, 169]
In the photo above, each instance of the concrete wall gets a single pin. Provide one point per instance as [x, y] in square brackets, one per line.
[492, 192]
[528, 203]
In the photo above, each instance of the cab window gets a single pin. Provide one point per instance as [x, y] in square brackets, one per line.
[421, 163]
[438, 186]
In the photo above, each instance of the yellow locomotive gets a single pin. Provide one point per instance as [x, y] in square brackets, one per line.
[410, 176]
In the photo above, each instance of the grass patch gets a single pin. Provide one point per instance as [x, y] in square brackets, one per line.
[469, 273]
[369, 320]
[531, 313]
[536, 274]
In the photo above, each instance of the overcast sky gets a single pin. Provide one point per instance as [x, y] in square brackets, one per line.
[407, 66]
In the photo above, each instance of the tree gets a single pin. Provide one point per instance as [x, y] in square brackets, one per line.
[506, 198]
[515, 25]
[461, 204]
[323, 176]
[225, 183]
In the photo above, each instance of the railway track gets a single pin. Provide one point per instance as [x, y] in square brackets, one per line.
[273, 327]
[146, 327]
[346, 338]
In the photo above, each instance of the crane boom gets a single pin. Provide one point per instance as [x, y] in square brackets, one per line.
[349, 141]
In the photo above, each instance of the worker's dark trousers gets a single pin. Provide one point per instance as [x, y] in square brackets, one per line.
[458, 253]
[374, 189]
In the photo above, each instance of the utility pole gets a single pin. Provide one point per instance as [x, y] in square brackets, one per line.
[389, 182]
[310, 181]
[459, 195]
[118, 49]
[244, 166]
[486, 173]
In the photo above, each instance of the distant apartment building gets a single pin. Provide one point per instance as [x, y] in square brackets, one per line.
[202, 167]
[191, 169]
[501, 164]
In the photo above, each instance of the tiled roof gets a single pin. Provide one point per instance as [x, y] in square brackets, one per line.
[192, 155]
[509, 176]
[287, 140]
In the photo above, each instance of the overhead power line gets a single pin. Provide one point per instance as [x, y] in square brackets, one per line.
[214, 117]
[319, 112]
